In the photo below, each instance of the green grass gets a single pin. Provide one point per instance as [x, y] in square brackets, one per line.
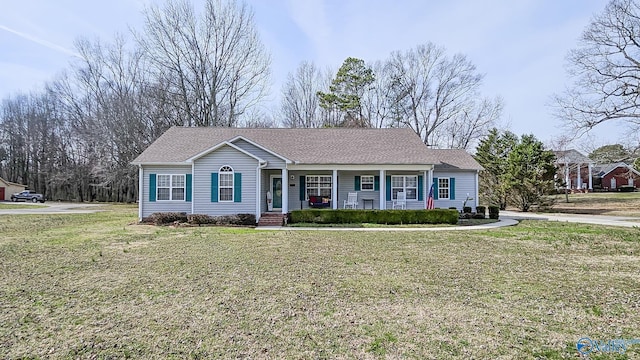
[20, 206]
[93, 286]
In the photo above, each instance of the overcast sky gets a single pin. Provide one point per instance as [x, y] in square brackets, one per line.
[520, 45]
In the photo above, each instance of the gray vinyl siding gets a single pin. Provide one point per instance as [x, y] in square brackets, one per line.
[346, 184]
[294, 191]
[465, 183]
[273, 162]
[211, 163]
[148, 207]
[411, 204]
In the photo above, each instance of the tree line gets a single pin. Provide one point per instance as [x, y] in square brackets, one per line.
[74, 139]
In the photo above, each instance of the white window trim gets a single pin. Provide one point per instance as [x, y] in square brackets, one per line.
[448, 187]
[220, 187]
[171, 187]
[372, 182]
[306, 185]
[404, 186]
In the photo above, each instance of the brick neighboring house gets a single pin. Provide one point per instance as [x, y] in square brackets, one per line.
[574, 169]
[614, 175]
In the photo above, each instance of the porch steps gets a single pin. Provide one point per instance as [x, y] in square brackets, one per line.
[271, 219]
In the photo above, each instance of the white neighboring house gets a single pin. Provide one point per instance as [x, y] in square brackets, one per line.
[223, 171]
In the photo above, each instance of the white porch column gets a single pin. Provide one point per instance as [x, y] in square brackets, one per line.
[477, 195]
[579, 181]
[590, 178]
[141, 192]
[258, 193]
[567, 179]
[285, 191]
[334, 189]
[383, 189]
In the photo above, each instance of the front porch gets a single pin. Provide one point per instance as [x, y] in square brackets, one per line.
[296, 189]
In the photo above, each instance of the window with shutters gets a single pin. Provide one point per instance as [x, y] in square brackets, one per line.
[170, 187]
[408, 184]
[366, 182]
[318, 185]
[443, 188]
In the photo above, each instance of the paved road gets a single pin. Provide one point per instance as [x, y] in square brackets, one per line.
[575, 218]
[51, 208]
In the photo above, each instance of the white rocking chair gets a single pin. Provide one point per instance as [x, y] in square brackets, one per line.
[352, 201]
[400, 202]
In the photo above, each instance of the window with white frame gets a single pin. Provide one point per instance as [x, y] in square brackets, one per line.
[366, 182]
[225, 183]
[443, 188]
[318, 185]
[170, 187]
[408, 184]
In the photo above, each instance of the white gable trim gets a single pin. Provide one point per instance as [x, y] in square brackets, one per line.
[621, 165]
[240, 137]
[224, 143]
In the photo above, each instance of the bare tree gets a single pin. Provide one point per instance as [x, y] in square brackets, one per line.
[377, 100]
[300, 105]
[214, 63]
[431, 89]
[473, 123]
[606, 69]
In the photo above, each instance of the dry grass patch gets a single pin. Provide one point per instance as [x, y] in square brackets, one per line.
[600, 203]
[90, 286]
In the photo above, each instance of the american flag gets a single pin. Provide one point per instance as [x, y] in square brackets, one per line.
[430, 199]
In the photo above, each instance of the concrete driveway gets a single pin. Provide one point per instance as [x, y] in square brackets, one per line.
[575, 218]
[51, 208]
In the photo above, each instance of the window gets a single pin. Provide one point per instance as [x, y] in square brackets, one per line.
[443, 188]
[318, 185]
[225, 183]
[408, 184]
[366, 183]
[170, 187]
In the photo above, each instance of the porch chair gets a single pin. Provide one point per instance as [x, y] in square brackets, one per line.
[352, 201]
[401, 201]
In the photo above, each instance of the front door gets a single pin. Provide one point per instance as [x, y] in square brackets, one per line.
[276, 190]
[1, 193]
[613, 183]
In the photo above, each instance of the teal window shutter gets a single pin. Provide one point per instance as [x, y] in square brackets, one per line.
[452, 188]
[436, 194]
[388, 184]
[356, 185]
[214, 187]
[376, 183]
[152, 187]
[188, 187]
[303, 195]
[420, 188]
[237, 187]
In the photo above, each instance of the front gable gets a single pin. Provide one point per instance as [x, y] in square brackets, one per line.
[274, 160]
[225, 181]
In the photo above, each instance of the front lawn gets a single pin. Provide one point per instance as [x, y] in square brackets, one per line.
[93, 286]
[599, 203]
[10, 206]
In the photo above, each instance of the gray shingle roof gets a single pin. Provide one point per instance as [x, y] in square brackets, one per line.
[304, 146]
[455, 159]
